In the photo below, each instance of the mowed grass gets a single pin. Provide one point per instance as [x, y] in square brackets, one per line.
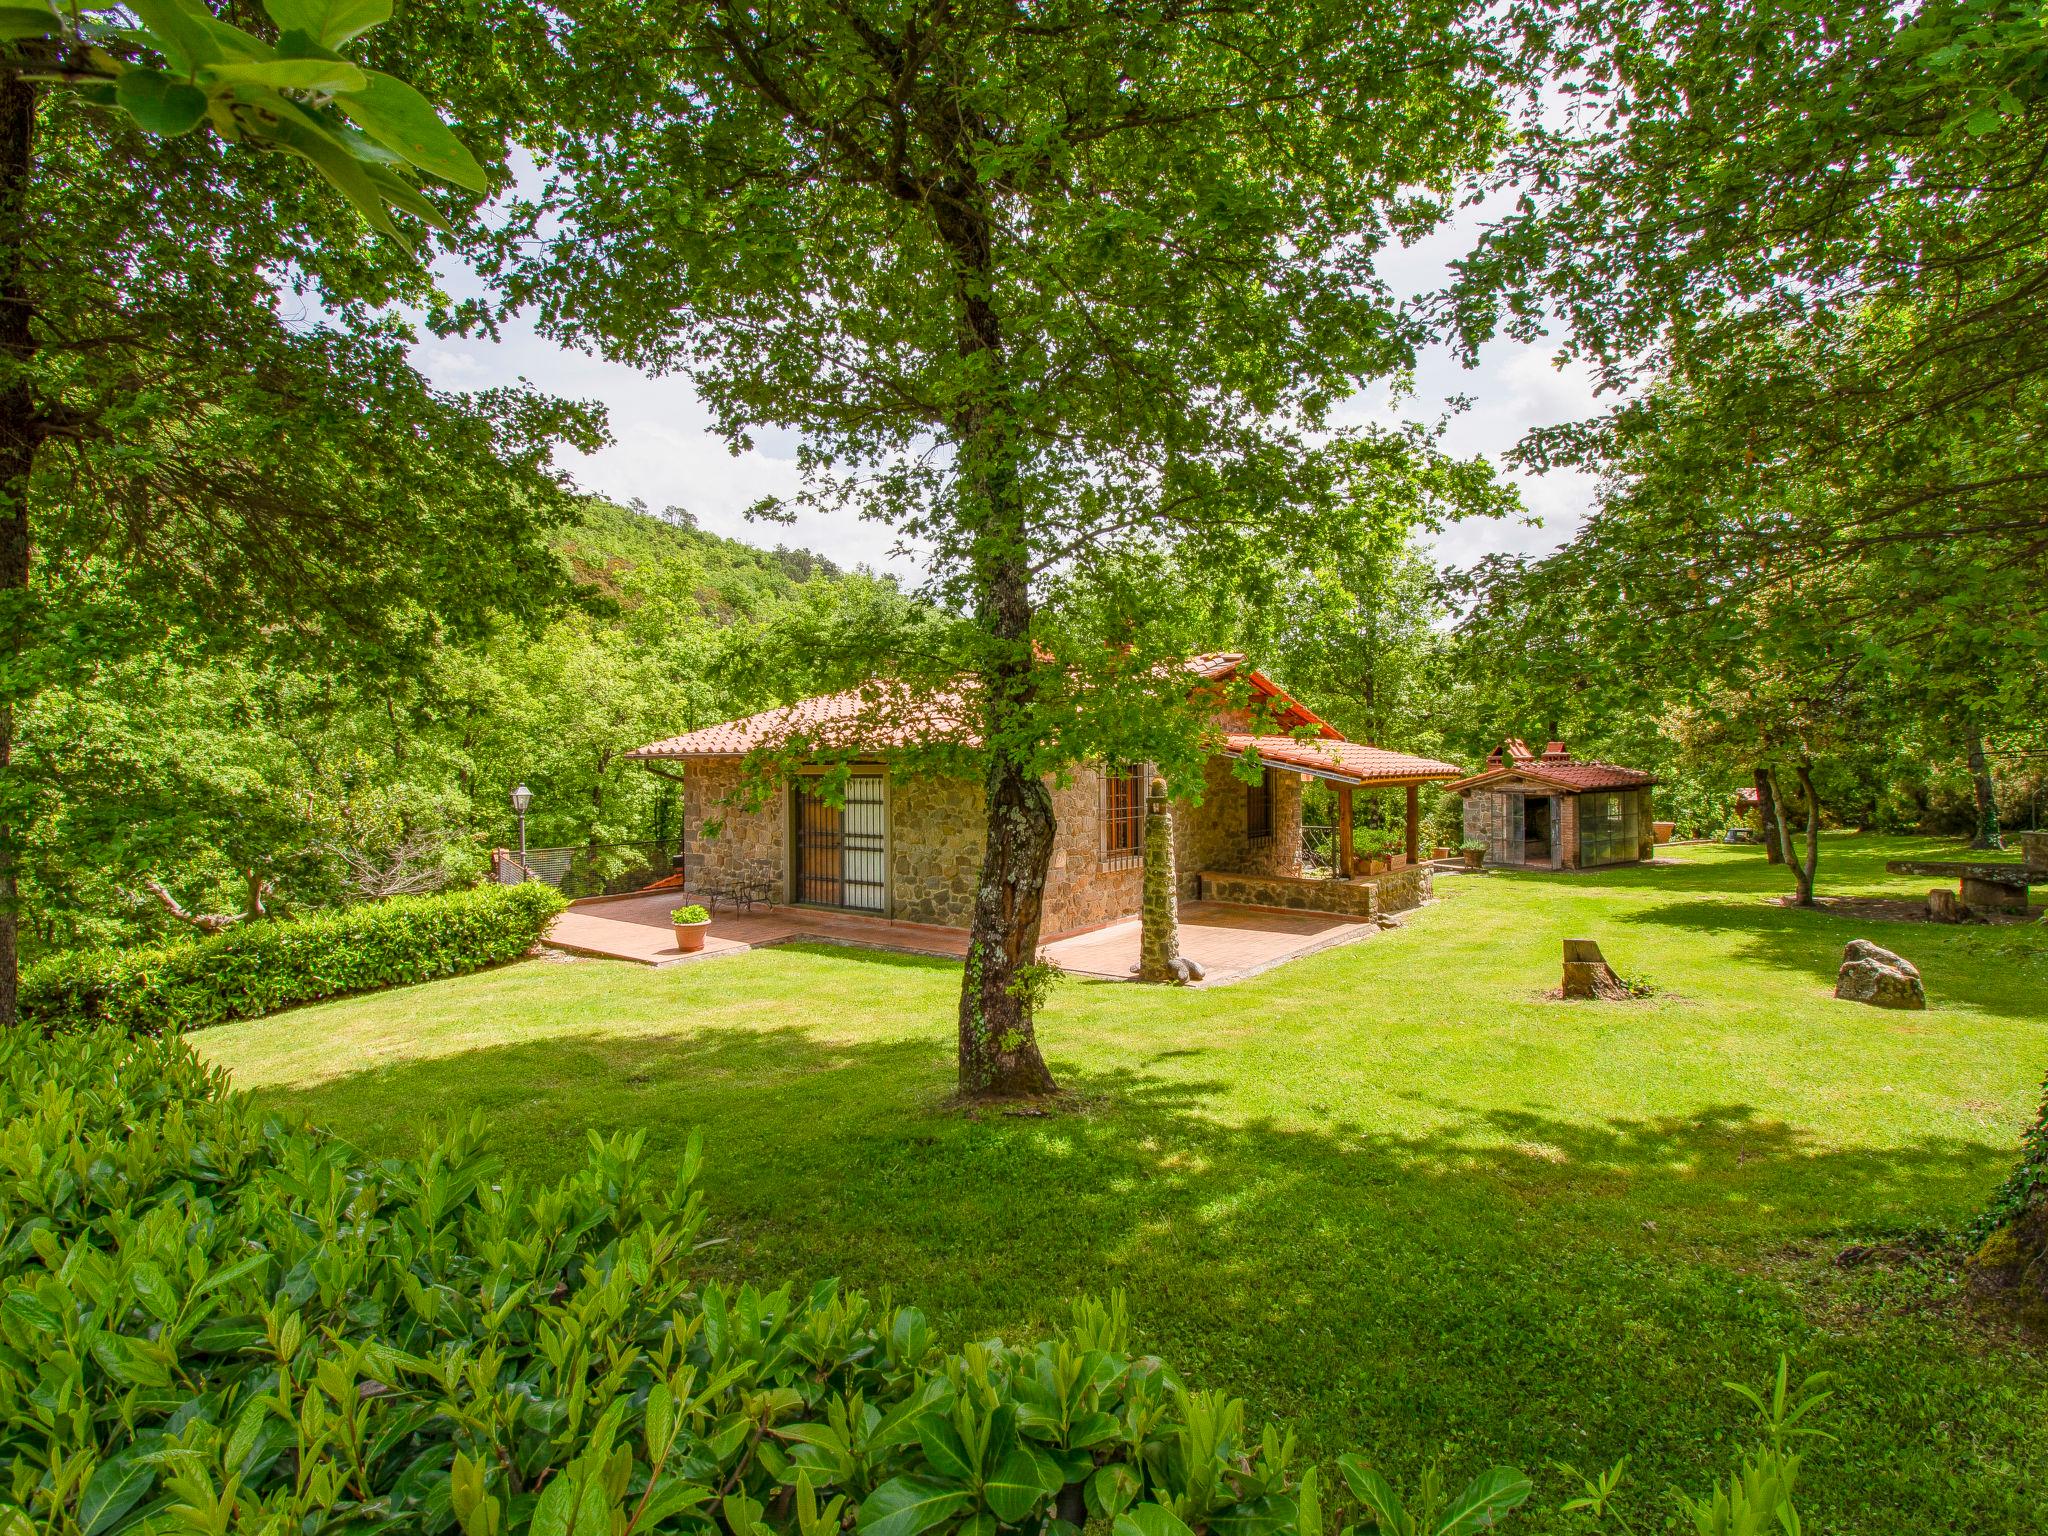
[1391, 1194]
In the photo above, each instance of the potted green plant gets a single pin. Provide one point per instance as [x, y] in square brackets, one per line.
[691, 923]
[1474, 851]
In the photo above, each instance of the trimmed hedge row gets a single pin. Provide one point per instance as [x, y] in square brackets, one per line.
[258, 968]
[212, 1323]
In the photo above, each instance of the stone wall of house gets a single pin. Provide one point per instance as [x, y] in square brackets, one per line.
[937, 828]
[1567, 842]
[936, 831]
[1084, 887]
[1211, 834]
[722, 838]
[1364, 897]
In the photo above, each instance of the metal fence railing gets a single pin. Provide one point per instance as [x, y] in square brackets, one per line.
[601, 869]
[1318, 849]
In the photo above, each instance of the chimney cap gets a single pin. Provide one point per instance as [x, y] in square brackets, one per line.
[1554, 752]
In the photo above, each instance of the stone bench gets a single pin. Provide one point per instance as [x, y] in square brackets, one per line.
[1984, 887]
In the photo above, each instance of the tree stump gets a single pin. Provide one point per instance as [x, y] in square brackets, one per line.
[1588, 975]
[1946, 907]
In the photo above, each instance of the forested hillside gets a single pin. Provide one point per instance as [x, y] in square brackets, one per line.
[184, 776]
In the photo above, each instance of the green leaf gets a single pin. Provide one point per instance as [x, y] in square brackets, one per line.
[333, 160]
[115, 1487]
[159, 103]
[1111, 1490]
[18, 22]
[1151, 1520]
[326, 75]
[1025, 1478]
[187, 36]
[20, 1304]
[404, 121]
[567, 1505]
[1376, 1493]
[904, 1506]
[129, 1361]
[329, 22]
[1484, 1500]
[942, 1448]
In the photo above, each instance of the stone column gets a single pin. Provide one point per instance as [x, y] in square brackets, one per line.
[1414, 824]
[1159, 939]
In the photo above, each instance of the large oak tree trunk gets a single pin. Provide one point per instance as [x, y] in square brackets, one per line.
[999, 1055]
[21, 428]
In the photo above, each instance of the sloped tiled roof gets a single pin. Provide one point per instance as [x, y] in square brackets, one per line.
[884, 715]
[1354, 760]
[872, 718]
[1556, 768]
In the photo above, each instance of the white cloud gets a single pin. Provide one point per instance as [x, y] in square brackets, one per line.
[665, 453]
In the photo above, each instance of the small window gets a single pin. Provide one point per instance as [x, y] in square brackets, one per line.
[1124, 814]
[1258, 807]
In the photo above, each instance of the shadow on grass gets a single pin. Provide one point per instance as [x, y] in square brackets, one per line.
[1528, 1286]
[1993, 970]
[843, 949]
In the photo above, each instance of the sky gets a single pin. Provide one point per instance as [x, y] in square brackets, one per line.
[664, 452]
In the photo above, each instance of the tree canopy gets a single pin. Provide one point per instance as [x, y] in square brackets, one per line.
[1052, 291]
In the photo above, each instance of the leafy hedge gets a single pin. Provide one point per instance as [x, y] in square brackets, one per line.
[212, 1323]
[260, 967]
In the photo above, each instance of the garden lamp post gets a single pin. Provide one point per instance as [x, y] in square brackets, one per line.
[522, 797]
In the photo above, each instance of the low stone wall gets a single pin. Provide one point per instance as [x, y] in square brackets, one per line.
[1402, 889]
[1365, 897]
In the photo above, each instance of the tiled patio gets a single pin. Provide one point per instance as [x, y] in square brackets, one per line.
[1228, 942]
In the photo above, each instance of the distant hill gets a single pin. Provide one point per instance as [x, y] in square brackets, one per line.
[627, 550]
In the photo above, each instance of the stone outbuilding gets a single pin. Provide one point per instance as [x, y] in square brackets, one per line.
[1554, 811]
[905, 845]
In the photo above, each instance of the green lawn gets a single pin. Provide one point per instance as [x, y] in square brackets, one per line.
[1391, 1192]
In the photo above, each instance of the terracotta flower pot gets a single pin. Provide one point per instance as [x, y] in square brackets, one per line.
[690, 936]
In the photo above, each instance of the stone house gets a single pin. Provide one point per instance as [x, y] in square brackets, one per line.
[1555, 811]
[907, 845]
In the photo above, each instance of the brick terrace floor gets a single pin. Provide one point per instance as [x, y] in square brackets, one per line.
[1228, 942]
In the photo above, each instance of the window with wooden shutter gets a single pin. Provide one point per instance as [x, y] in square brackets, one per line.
[1123, 816]
[1258, 807]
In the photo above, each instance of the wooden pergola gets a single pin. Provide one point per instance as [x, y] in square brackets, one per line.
[1351, 766]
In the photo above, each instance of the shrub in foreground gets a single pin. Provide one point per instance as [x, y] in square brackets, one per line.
[2010, 1237]
[257, 968]
[212, 1323]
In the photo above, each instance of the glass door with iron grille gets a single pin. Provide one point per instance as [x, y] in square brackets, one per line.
[842, 850]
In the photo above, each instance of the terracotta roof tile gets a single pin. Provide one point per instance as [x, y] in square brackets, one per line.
[882, 715]
[1355, 760]
[871, 718]
[1556, 767]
